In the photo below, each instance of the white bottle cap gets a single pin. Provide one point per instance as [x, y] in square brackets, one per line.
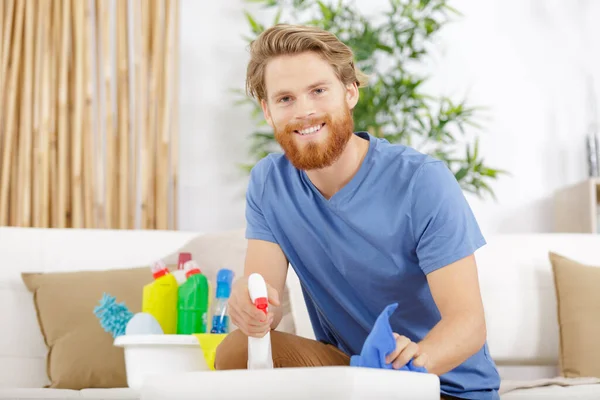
[191, 264]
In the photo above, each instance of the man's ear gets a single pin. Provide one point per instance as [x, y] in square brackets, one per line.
[266, 112]
[352, 95]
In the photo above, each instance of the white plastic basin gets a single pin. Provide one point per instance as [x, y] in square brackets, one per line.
[148, 355]
[328, 383]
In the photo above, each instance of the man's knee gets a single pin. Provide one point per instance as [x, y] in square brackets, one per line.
[288, 351]
[232, 353]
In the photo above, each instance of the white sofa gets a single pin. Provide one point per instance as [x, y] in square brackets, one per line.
[515, 275]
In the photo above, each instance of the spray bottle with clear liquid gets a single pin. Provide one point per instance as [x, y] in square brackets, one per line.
[220, 311]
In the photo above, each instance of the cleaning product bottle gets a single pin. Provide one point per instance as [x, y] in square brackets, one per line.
[180, 272]
[160, 298]
[220, 317]
[192, 307]
[191, 264]
[259, 349]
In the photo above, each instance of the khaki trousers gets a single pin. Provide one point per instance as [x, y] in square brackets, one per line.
[288, 351]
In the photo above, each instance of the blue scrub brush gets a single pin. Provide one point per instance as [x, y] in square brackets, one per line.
[113, 316]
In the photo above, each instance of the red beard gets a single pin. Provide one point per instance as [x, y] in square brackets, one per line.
[317, 155]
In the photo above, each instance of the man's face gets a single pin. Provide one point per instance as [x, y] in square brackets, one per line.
[309, 109]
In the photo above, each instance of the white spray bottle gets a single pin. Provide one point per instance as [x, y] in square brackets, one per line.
[259, 349]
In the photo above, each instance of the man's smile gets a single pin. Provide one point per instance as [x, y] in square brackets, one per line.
[310, 131]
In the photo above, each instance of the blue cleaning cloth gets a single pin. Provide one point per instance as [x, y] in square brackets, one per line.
[379, 344]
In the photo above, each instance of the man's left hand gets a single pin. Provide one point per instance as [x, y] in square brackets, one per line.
[406, 350]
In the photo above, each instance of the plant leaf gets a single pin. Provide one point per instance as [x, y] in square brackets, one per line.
[256, 27]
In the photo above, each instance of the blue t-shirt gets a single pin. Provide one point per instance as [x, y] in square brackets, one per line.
[402, 216]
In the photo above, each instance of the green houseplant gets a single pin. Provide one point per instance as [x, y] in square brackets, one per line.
[394, 105]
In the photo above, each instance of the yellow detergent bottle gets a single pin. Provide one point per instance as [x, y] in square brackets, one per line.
[160, 298]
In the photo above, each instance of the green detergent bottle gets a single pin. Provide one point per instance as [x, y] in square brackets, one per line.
[192, 305]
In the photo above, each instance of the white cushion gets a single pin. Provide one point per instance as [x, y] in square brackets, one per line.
[527, 372]
[23, 372]
[299, 312]
[555, 392]
[38, 394]
[119, 394]
[43, 394]
[22, 348]
[331, 383]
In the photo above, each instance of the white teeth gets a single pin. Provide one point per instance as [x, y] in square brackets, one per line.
[310, 130]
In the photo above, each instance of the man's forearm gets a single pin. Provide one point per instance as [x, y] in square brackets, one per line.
[277, 315]
[452, 341]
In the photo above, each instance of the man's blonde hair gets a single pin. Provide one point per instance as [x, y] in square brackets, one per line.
[283, 39]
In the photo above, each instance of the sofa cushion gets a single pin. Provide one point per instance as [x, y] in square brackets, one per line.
[578, 300]
[38, 394]
[47, 394]
[555, 392]
[106, 394]
[81, 354]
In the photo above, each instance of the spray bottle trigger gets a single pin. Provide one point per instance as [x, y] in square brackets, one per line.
[262, 303]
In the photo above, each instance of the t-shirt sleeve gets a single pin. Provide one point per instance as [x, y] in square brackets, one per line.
[443, 224]
[256, 223]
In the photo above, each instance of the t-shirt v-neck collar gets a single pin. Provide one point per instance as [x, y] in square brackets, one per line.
[356, 180]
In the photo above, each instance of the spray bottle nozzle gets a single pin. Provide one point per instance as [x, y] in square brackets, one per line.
[183, 258]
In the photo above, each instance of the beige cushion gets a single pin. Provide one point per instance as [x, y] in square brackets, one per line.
[81, 354]
[227, 250]
[578, 300]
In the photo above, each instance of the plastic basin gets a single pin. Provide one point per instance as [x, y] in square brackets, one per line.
[159, 355]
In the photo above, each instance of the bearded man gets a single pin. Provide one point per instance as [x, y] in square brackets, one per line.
[364, 223]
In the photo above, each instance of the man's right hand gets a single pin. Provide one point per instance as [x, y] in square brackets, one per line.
[244, 314]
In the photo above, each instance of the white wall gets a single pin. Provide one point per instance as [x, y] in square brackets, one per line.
[213, 131]
[528, 61]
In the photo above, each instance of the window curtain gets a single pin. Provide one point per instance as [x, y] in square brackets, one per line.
[88, 113]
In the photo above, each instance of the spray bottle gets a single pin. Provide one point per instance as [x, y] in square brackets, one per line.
[259, 349]
[220, 308]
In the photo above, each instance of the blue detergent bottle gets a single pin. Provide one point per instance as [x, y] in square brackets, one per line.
[220, 319]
